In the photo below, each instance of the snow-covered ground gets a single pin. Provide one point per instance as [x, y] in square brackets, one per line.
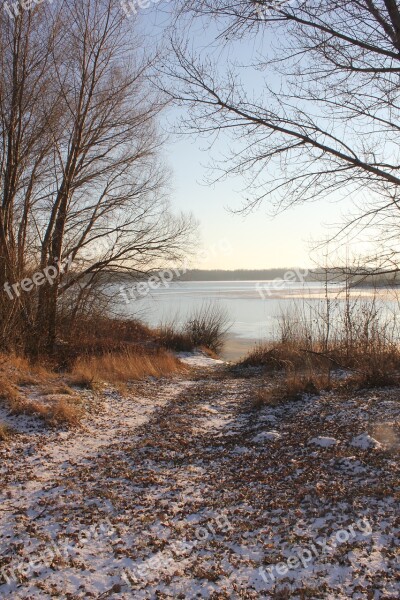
[183, 489]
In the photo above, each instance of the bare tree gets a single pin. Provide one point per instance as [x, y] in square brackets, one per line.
[91, 191]
[326, 120]
[27, 108]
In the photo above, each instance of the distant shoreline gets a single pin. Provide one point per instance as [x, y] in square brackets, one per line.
[292, 275]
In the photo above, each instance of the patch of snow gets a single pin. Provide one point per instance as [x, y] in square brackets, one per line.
[240, 450]
[198, 359]
[365, 442]
[325, 442]
[269, 418]
[265, 436]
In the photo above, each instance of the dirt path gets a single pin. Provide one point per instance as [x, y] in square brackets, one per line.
[183, 490]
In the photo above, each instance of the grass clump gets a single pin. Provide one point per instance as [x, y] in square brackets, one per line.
[5, 432]
[125, 366]
[59, 406]
[354, 336]
[56, 412]
[65, 411]
[9, 394]
[290, 388]
[205, 328]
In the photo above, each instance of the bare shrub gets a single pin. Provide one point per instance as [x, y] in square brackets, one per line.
[352, 334]
[170, 336]
[207, 326]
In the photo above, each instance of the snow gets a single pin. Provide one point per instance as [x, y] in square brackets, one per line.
[324, 442]
[266, 436]
[365, 442]
[170, 492]
[198, 359]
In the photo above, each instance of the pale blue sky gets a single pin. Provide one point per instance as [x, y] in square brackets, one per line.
[258, 240]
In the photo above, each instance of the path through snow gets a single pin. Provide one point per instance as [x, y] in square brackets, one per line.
[182, 491]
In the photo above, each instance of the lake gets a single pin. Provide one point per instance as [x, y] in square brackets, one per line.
[253, 307]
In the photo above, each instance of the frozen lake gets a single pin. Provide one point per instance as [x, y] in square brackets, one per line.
[253, 307]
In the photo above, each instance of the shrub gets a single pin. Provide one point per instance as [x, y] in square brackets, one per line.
[170, 337]
[351, 336]
[205, 328]
[95, 336]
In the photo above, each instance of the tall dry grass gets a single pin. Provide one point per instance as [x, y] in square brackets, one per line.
[205, 328]
[5, 432]
[125, 366]
[56, 403]
[350, 333]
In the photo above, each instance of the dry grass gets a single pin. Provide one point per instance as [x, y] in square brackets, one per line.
[96, 336]
[56, 388]
[55, 412]
[265, 397]
[59, 407]
[278, 356]
[368, 366]
[358, 338]
[5, 432]
[206, 328]
[84, 380]
[20, 372]
[65, 411]
[290, 388]
[8, 392]
[125, 366]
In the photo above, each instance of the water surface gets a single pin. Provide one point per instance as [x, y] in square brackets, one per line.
[253, 307]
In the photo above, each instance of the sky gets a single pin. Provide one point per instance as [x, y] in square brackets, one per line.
[258, 240]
